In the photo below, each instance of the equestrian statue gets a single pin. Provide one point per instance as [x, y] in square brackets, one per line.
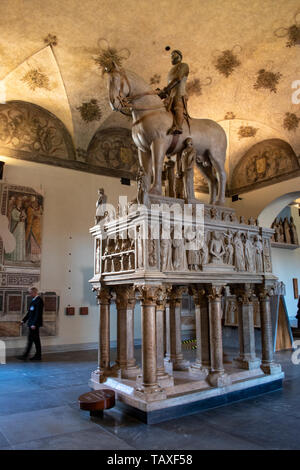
[161, 128]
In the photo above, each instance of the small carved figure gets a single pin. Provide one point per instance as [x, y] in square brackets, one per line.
[251, 221]
[188, 157]
[98, 257]
[267, 256]
[294, 235]
[179, 255]
[258, 250]
[239, 259]
[216, 248]
[249, 254]
[192, 249]
[100, 206]
[165, 250]
[229, 250]
[286, 228]
[204, 249]
[280, 232]
[142, 194]
[139, 242]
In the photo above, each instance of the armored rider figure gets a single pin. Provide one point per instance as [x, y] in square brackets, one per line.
[175, 93]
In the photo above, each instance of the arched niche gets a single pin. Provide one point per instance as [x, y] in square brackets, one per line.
[270, 212]
[266, 163]
[30, 132]
[113, 152]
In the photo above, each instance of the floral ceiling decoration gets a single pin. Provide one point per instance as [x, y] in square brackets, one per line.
[291, 121]
[90, 111]
[267, 80]
[227, 61]
[155, 79]
[50, 40]
[292, 32]
[194, 86]
[108, 56]
[229, 115]
[247, 131]
[36, 78]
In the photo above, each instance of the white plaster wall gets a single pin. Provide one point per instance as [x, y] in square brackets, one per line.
[67, 247]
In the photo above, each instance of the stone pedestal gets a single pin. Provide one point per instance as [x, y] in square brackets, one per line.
[247, 358]
[267, 364]
[175, 354]
[125, 303]
[217, 376]
[149, 389]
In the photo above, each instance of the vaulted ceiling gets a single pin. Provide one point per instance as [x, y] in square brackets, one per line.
[47, 52]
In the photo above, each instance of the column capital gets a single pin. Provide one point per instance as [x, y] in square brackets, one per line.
[175, 294]
[244, 293]
[215, 292]
[198, 293]
[264, 292]
[149, 293]
[163, 293]
[125, 295]
[104, 296]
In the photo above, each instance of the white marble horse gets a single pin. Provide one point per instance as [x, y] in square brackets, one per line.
[149, 132]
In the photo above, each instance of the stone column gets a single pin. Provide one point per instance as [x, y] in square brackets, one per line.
[217, 376]
[247, 358]
[163, 378]
[199, 295]
[104, 298]
[149, 389]
[175, 356]
[125, 303]
[268, 365]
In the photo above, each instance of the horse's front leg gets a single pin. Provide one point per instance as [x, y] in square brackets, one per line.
[158, 152]
[145, 159]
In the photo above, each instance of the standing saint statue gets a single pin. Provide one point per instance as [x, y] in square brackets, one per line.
[100, 206]
[294, 235]
[165, 249]
[216, 248]
[258, 250]
[229, 250]
[179, 253]
[239, 259]
[286, 229]
[175, 92]
[142, 194]
[188, 157]
[249, 254]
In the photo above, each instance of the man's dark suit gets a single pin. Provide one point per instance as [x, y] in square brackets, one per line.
[34, 317]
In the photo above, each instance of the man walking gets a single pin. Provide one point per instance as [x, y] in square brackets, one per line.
[34, 319]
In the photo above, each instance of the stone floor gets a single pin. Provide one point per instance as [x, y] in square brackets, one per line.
[39, 410]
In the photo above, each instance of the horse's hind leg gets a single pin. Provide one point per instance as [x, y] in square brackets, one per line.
[212, 183]
[218, 159]
[145, 160]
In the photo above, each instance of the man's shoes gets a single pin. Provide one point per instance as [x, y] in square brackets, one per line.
[36, 358]
[21, 358]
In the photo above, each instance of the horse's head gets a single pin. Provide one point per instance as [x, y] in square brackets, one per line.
[118, 86]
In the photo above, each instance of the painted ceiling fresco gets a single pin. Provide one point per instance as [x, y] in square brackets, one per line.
[243, 58]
